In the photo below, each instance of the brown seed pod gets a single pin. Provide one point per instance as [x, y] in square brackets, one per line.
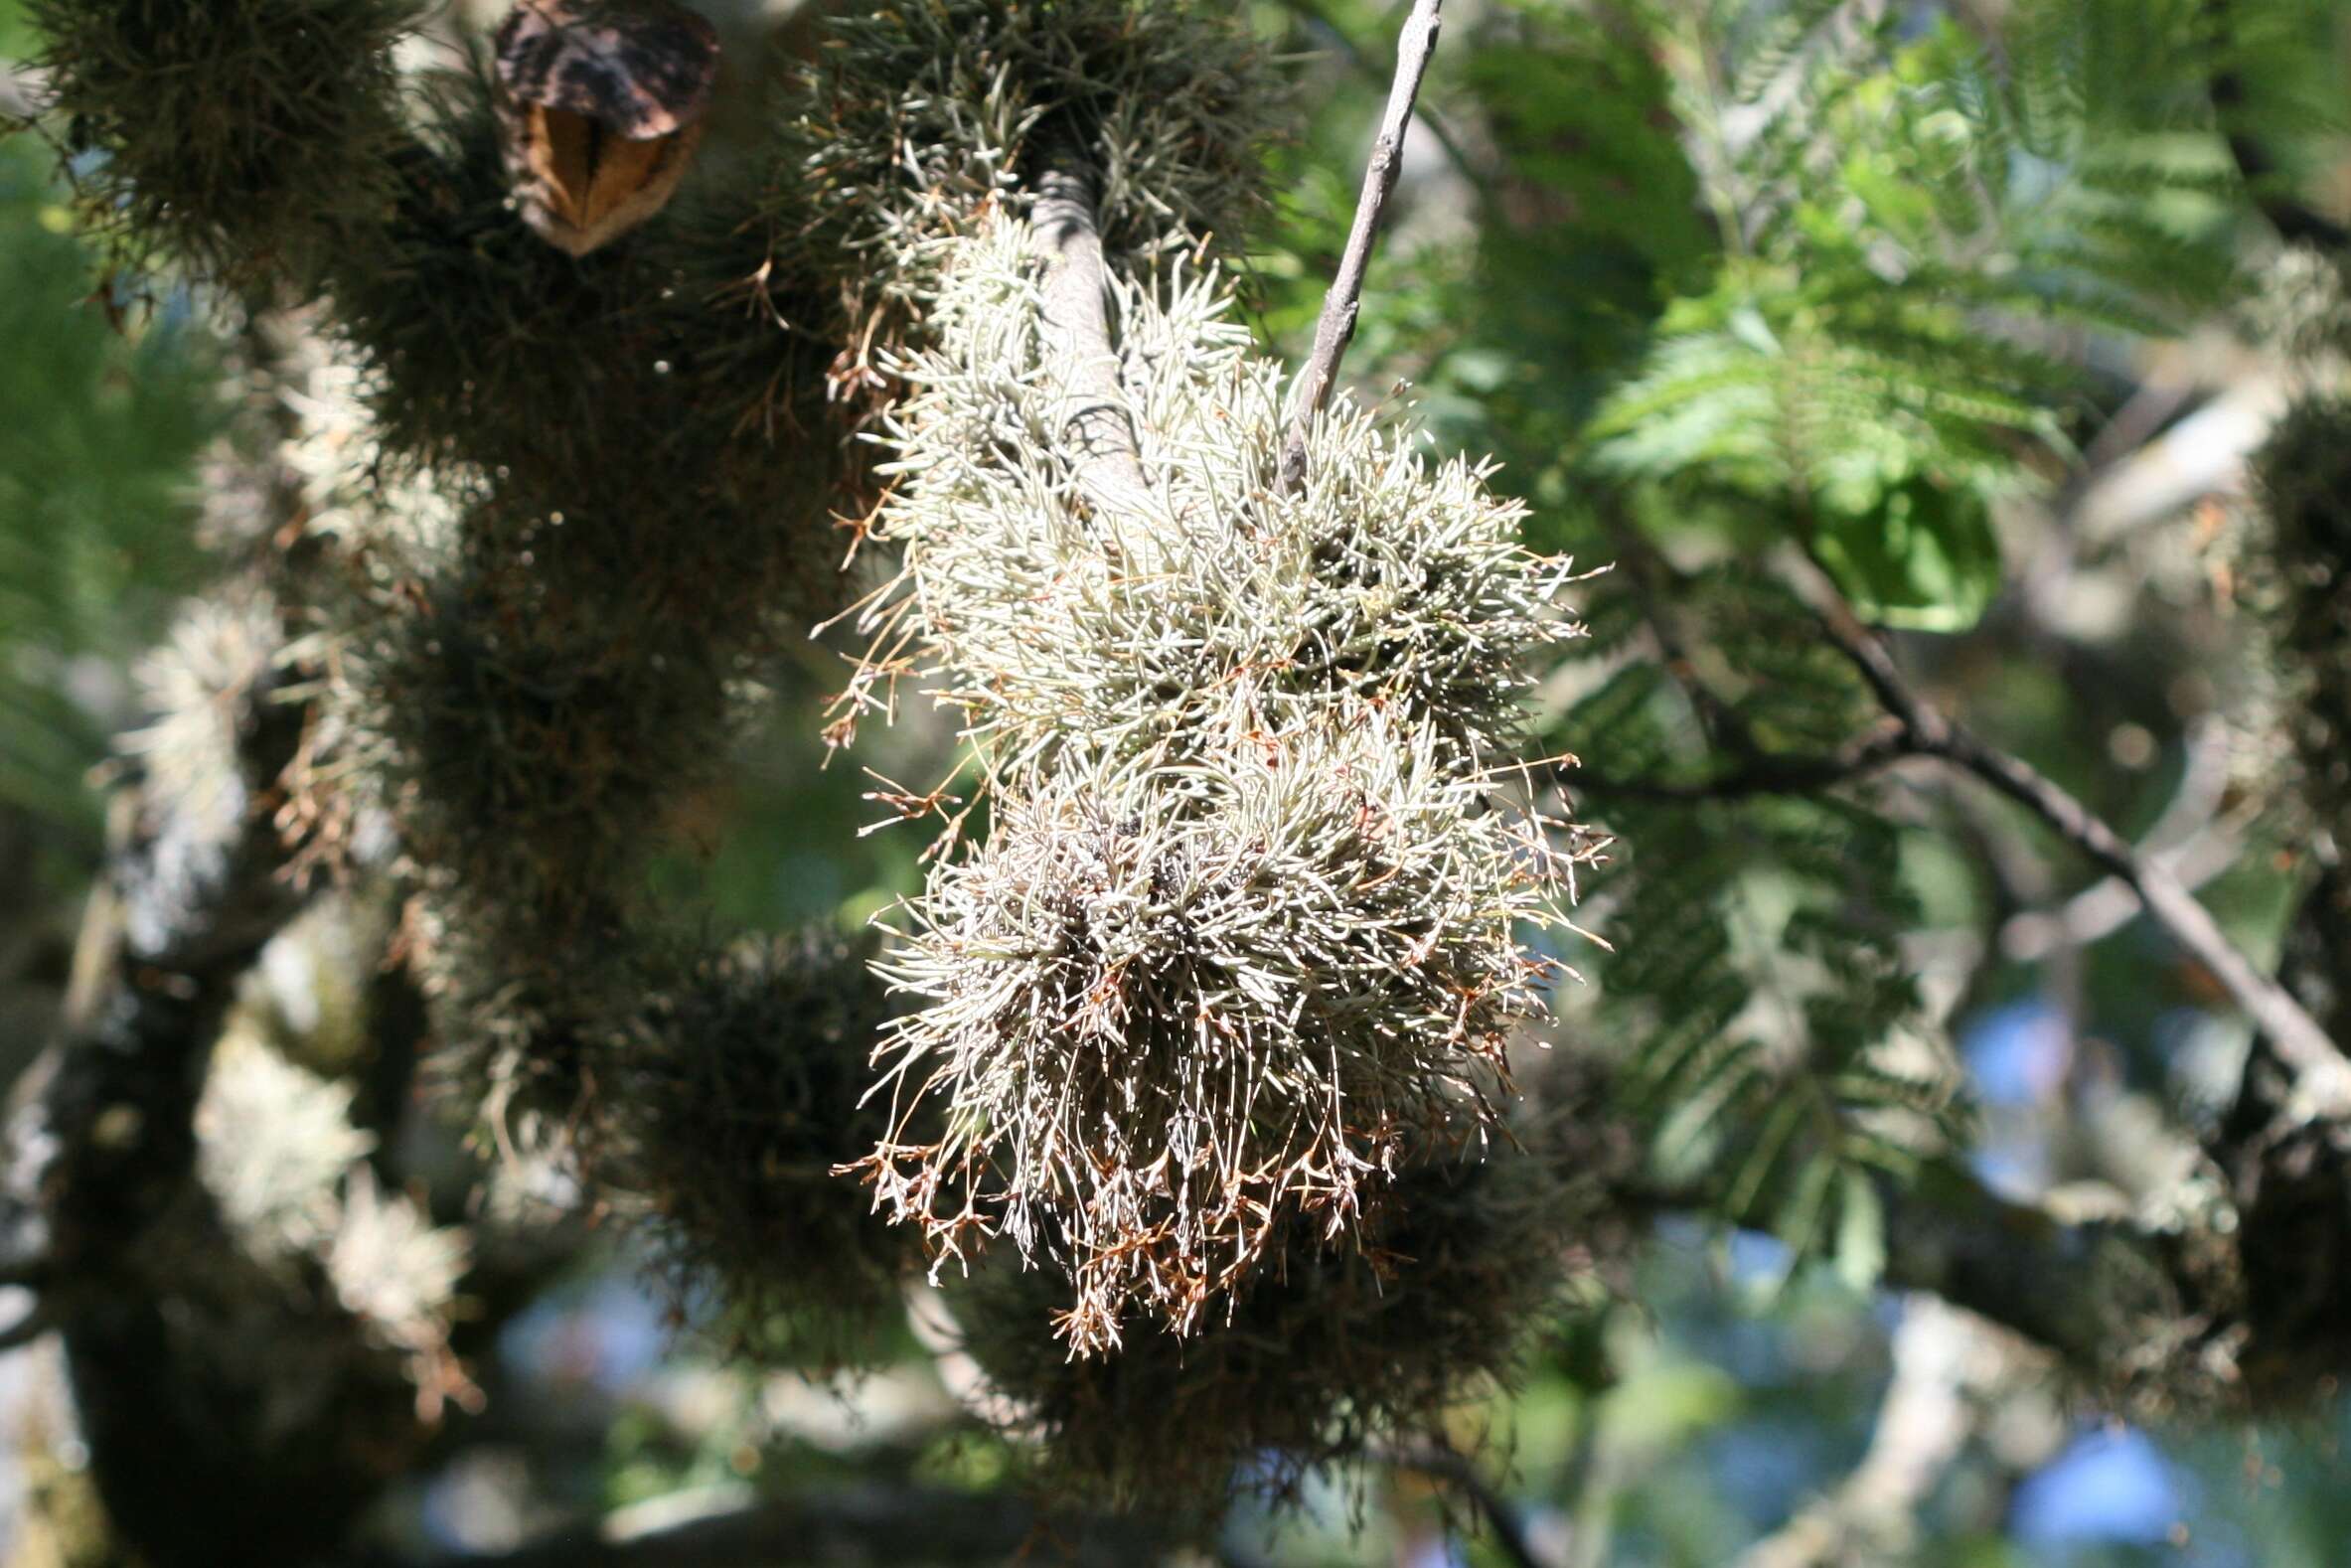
[602, 104]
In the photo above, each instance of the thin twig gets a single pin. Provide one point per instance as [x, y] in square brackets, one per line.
[2189, 837]
[1337, 328]
[2298, 1038]
[1767, 774]
[2295, 1037]
[1359, 59]
[1452, 1470]
[2107, 905]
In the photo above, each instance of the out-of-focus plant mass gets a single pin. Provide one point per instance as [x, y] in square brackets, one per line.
[837, 875]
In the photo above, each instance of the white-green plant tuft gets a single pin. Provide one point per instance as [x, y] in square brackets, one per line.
[1383, 578]
[1251, 927]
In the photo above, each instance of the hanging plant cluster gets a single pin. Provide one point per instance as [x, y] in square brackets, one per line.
[1248, 934]
[1265, 890]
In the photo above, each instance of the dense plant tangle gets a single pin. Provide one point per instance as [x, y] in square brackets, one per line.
[1336, 1350]
[1248, 936]
[1246, 931]
[1208, 1107]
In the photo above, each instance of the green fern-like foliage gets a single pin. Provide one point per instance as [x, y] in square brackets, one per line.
[1767, 1027]
[1914, 236]
[1905, 227]
[98, 432]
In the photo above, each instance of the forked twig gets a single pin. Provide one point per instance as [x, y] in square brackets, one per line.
[2317, 1061]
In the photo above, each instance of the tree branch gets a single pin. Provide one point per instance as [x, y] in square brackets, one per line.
[1076, 326]
[2324, 1073]
[2095, 1293]
[2119, 1304]
[857, 1524]
[101, 1127]
[2294, 222]
[1923, 1423]
[1457, 1471]
[1764, 775]
[1337, 328]
[205, 1379]
[2106, 907]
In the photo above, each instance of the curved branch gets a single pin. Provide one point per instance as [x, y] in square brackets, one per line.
[2046, 1278]
[1096, 425]
[2323, 1074]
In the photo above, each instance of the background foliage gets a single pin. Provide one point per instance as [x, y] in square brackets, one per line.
[1973, 311]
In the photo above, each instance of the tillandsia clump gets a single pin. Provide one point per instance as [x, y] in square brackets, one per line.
[250, 138]
[1248, 924]
[1379, 579]
[1177, 1009]
[1326, 1353]
[738, 1096]
[920, 116]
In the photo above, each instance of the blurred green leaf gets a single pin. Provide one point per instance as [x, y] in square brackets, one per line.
[1860, 1230]
[100, 429]
[1923, 558]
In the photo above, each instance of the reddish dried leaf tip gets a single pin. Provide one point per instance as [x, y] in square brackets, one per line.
[643, 68]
